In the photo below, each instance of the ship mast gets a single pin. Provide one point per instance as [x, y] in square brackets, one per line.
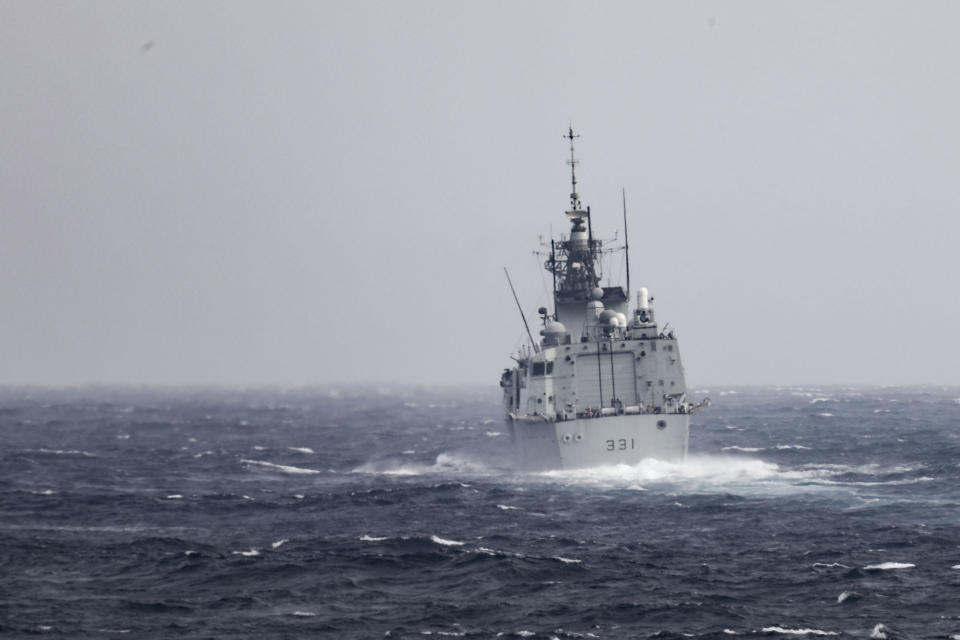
[574, 196]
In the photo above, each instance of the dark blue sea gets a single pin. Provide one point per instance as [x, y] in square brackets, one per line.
[394, 512]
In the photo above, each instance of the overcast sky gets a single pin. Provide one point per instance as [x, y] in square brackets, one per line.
[296, 193]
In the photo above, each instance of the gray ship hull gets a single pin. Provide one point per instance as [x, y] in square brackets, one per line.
[593, 442]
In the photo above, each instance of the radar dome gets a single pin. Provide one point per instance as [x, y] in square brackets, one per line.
[554, 328]
[597, 293]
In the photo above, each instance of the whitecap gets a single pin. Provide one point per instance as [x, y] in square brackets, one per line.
[712, 470]
[301, 449]
[494, 434]
[45, 492]
[816, 400]
[956, 566]
[567, 560]
[445, 542]
[278, 543]
[303, 614]
[247, 554]
[523, 633]
[298, 496]
[279, 467]
[879, 632]
[366, 538]
[444, 463]
[123, 436]
[506, 507]
[883, 566]
[744, 449]
[68, 452]
[791, 446]
[174, 496]
[730, 632]
[799, 632]
[825, 415]
[845, 595]
[257, 447]
[830, 565]
[408, 452]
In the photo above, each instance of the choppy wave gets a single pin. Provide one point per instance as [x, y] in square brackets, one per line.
[885, 566]
[800, 631]
[281, 467]
[410, 522]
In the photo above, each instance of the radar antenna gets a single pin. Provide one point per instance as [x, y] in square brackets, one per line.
[574, 196]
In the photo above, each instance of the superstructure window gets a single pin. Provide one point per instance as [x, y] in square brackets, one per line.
[542, 368]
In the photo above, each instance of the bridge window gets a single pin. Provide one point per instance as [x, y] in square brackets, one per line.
[542, 368]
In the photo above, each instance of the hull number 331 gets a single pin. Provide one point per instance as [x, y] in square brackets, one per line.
[620, 445]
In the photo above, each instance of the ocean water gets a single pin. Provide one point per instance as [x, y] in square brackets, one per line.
[372, 513]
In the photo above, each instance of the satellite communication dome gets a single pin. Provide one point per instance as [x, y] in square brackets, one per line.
[597, 293]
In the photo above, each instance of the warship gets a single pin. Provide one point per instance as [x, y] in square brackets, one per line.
[603, 385]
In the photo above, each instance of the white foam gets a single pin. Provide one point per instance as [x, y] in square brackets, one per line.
[445, 542]
[366, 538]
[257, 447]
[408, 452]
[730, 632]
[278, 543]
[843, 596]
[791, 446]
[744, 449]
[567, 560]
[956, 566]
[298, 496]
[884, 566]
[799, 632]
[712, 471]
[445, 463]
[303, 614]
[301, 449]
[494, 434]
[45, 492]
[123, 436]
[506, 507]
[68, 452]
[816, 400]
[879, 632]
[830, 565]
[825, 415]
[279, 467]
[174, 496]
[523, 633]
[248, 554]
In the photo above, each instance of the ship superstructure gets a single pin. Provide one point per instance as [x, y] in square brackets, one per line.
[603, 385]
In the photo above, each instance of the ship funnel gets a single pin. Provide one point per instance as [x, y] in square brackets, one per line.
[643, 299]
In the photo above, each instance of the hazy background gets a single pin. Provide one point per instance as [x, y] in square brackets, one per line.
[306, 192]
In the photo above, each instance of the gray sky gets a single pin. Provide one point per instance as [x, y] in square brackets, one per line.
[313, 192]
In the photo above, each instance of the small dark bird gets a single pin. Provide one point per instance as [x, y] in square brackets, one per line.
[146, 46]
